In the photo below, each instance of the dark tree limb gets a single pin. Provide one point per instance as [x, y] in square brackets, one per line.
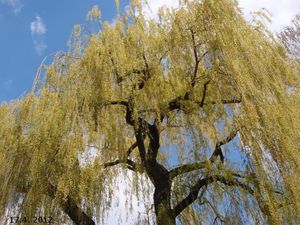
[197, 60]
[76, 214]
[193, 195]
[120, 102]
[154, 144]
[204, 93]
[223, 102]
[178, 102]
[218, 151]
[131, 148]
[130, 164]
[200, 165]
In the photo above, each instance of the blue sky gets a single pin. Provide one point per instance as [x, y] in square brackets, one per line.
[32, 29]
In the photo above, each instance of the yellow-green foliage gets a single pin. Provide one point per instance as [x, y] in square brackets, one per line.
[43, 133]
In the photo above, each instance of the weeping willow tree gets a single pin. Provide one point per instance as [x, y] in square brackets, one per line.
[199, 101]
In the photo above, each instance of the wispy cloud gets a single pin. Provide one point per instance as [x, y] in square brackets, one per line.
[37, 27]
[16, 5]
[38, 30]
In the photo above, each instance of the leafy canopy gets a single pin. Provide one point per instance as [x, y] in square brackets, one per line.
[198, 73]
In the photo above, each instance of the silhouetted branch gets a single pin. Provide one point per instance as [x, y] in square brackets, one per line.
[200, 165]
[193, 195]
[130, 163]
[204, 93]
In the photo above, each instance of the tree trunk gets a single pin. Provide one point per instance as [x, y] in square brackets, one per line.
[162, 194]
[162, 204]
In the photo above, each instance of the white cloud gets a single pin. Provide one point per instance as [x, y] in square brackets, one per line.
[16, 5]
[37, 27]
[282, 11]
[38, 30]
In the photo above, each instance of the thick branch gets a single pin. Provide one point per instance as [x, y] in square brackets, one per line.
[193, 195]
[131, 148]
[154, 144]
[76, 214]
[200, 165]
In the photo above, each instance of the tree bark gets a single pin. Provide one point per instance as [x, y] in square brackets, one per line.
[160, 177]
[162, 204]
